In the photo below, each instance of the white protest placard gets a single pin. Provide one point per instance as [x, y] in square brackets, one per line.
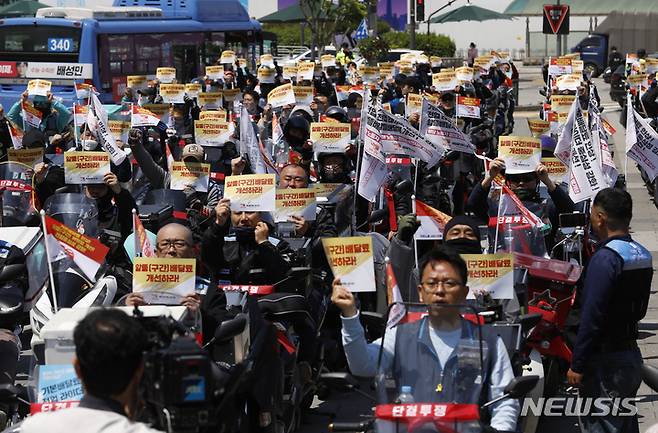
[539, 127]
[304, 94]
[289, 72]
[414, 104]
[172, 93]
[119, 129]
[521, 154]
[30, 157]
[445, 81]
[490, 273]
[251, 192]
[559, 66]
[468, 107]
[212, 114]
[137, 82]
[228, 57]
[267, 60]
[351, 261]
[568, 81]
[164, 280]
[165, 75]
[282, 95]
[190, 175]
[213, 132]
[266, 75]
[86, 167]
[192, 90]
[299, 202]
[557, 171]
[210, 100]
[215, 72]
[585, 163]
[328, 60]
[642, 143]
[330, 137]
[38, 87]
[441, 130]
[231, 95]
[464, 73]
[305, 71]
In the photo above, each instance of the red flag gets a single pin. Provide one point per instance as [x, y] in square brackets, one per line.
[397, 311]
[142, 242]
[432, 221]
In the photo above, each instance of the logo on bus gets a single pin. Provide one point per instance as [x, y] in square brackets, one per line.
[7, 69]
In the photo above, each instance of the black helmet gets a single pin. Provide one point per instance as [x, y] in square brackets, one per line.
[337, 113]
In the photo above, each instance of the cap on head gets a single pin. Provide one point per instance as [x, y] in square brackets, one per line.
[193, 151]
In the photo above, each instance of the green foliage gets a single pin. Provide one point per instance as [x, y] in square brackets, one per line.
[383, 27]
[288, 34]
[432, 44]
[373, 49]
[348, 15]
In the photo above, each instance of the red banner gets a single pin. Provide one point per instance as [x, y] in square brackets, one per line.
[51, 407]
[251, 290]
[414, 413]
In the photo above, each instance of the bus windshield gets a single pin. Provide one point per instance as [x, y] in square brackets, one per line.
[39, 43]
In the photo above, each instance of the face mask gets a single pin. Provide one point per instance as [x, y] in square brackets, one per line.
[465, 246]
[89, 145]
[245, 234]
[295, 141]
[526, 194]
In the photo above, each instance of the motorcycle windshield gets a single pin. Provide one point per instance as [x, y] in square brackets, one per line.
[74, 210]
[167, 197]
[16, 186]
[429, 376]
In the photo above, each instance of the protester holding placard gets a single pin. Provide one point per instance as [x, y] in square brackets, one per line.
[525, 186]
[55, 116]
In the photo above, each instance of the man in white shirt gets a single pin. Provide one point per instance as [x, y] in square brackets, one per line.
[429, 355]
[109, 361]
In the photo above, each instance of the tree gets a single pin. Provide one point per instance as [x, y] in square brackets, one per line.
[288, 33]
[432, 44]
[325, 19]
[373, 49]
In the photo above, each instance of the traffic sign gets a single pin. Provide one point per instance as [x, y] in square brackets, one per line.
[556, 19]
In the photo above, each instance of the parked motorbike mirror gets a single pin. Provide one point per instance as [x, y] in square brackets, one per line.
[528, 321]
[520, 386]
[404, 187]
[650, 376]
[377, 215]
[230, 328]
[11, 272]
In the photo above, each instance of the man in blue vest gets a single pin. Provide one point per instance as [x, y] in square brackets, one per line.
[606, 360]
[433, 355]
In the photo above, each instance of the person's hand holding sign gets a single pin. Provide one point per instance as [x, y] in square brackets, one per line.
[222, 211]
[40, 171]
[237, 166]
[192, 302]
[301, 225]
[261, 233]
[542, 174]
[495, 168]
[110, 179]
[343, 299]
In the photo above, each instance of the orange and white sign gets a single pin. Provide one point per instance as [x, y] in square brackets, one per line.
[192, 90]
[538, 127]
[193, 175]
[369, 74]
[242, 62]
[289, 72]
[228, 57]
[140, 116]
[266, 75]
[414, 104]
[305, 71]
[432, 221]
[444, 81]
[562, 103]
[282, 95]
[164, 280]
[490, 273]
[435, 61]
[557, 171]
[38, 87]
[29, 157]
[172, 93]
[328, 60]
[251, 192]
[295, 202]
[80, 113]
[577, 66]
[464, 73]
[386, 70]
[215, 72]
[304, 94]
[468, 107]
[267, 60]
[521, 154]
[137, 82]
[568, 81]
[405, 67]
[330, 137]
[85, 167]
[213, 132]
[210, 100]
[212, 115]
[231, 94]
[637, 80]
[559, 66]
[165, 75]
[351, 261]
[119, 129]
[31, 115]
[325, 189]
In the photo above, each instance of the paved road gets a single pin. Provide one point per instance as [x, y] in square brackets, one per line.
[351, 406]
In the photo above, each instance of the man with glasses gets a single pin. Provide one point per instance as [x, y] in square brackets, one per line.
[425, 354]
[175, 241]
[526, 188]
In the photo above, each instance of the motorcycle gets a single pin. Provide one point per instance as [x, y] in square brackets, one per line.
[409, 400]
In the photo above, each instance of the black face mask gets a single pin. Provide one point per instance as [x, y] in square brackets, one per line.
[327, 176]
[465, 246]
[245, 234]
[294, 141]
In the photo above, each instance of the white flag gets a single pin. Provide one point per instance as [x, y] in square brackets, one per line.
[641, 142]
[439, 129]
[600, 142]
[372, 173]
[103, 131]
[565, 136]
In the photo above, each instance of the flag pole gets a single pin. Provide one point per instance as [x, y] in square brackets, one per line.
[500, 207]
[50, 265]
[413, 210]
[136, 235]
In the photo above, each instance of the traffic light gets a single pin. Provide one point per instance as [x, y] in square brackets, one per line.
[420, 10]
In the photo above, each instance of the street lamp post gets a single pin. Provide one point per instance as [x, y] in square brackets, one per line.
[436, 12]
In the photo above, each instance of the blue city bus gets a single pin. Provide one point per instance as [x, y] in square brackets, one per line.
[133, 37]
